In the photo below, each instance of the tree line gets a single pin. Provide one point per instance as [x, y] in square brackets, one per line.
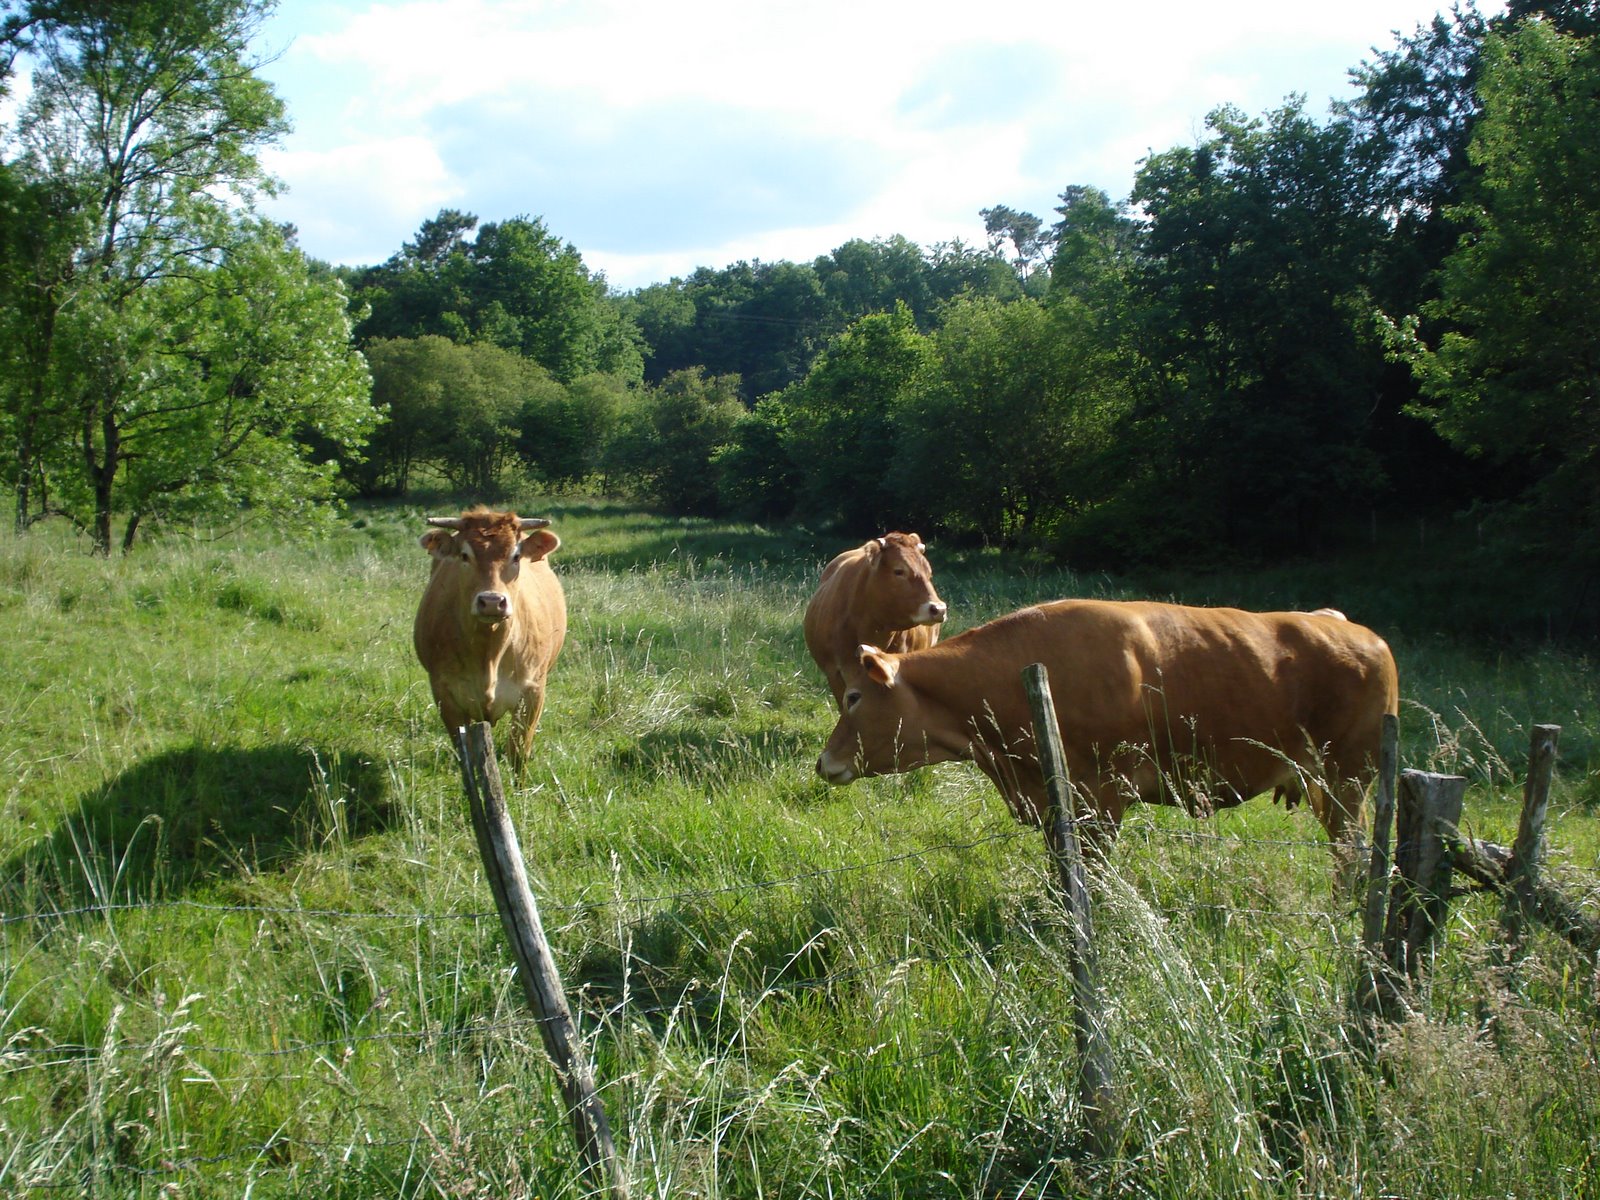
[1283, 329]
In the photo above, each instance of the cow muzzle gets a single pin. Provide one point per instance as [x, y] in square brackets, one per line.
[491, 606]
[835, 771]
[932, 613]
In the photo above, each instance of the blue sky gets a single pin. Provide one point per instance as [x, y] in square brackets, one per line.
[658, 137]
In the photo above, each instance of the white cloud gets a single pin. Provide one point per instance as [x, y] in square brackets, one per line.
[661, 136]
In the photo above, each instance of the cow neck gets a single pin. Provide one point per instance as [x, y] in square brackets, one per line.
[939, 676]
[937, 687]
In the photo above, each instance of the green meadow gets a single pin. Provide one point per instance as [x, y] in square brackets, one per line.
[246, 947]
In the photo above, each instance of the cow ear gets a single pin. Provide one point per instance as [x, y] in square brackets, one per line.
[875, 547]
[436, 542]
[881, 668]
[539, 544]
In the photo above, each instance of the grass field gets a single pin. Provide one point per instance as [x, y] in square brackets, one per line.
[246, 947]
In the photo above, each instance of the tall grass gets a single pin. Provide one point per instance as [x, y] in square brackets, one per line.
[247, 948]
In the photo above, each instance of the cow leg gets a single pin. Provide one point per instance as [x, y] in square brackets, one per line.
[1339, 802]
[454, 717]
[524, 722]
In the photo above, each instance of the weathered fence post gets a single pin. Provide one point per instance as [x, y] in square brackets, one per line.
[1428, 812]
[1527, 852]
[536, 966]
[1095, 1086]
[1375, 991]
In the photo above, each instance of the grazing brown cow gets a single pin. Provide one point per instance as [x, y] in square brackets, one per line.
[1200, 707]
[491, 621]
[880, 594]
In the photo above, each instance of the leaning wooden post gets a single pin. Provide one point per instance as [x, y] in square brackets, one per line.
[1428, 813]
[1376, 984]
[536, 965]
[1527, 852]
[1095, 1087]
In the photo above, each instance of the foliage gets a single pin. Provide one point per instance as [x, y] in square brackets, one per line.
[1254, 313]
[1015, 383]
[669, 438]
[843, 431]
[515, 285]
[458, 409]
[756, 477]
[1511, 378]
[180, 354]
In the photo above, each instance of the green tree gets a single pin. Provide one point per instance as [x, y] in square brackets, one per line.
[40, 231]
[756, 477]
[563, 431]
[667, 441]
[1512, 377]
[150, 115]
[1001, 434]
[1254, 302]
[842, 430]
[250, 387]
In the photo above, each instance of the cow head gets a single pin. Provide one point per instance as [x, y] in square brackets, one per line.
[487, 551]
[903, 582]
[885, 725]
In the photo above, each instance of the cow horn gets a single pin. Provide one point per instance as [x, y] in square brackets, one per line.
[445, 522]
[533, 522]
[883, 543]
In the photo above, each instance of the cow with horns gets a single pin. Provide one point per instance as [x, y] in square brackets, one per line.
[491, 621]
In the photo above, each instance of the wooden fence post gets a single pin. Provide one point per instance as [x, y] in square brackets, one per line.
[1527, 852]
[1095, 1085]
[1375, 991]
[536, 965]
[1428, 812]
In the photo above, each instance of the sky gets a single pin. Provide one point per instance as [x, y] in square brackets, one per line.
[662, 136]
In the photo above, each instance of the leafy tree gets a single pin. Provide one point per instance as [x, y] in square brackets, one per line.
[423, 290]
[957, 269]
[248, 377]
[564, 430]
[760, 321]
[862, 277]
[1512, 377]
[1001, 433]
[756, 477]
[515, 285]
[1030, 240]
[842, 431]
[40, 230]
[1254, 302]
[412, 380]
[666, 442]
[149, 116]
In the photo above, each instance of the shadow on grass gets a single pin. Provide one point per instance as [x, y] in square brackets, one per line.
[184, 816]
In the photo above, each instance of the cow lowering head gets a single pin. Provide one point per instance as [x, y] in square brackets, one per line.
[902, 582]
[885, 727]
[487, 551]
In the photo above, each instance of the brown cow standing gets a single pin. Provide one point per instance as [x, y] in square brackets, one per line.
[491, 621]
[879, 594]
[1152, 699]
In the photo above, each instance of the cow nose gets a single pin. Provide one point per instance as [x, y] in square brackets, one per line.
[937, 610]
[834, 772]
[491, 605]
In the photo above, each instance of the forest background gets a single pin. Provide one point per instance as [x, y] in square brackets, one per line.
[1296, 338]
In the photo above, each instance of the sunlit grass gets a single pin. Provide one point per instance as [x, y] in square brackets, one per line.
[292, 981]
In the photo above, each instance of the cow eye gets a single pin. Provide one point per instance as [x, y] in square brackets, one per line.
[851, 699]
[900, 571]
[466, 555]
